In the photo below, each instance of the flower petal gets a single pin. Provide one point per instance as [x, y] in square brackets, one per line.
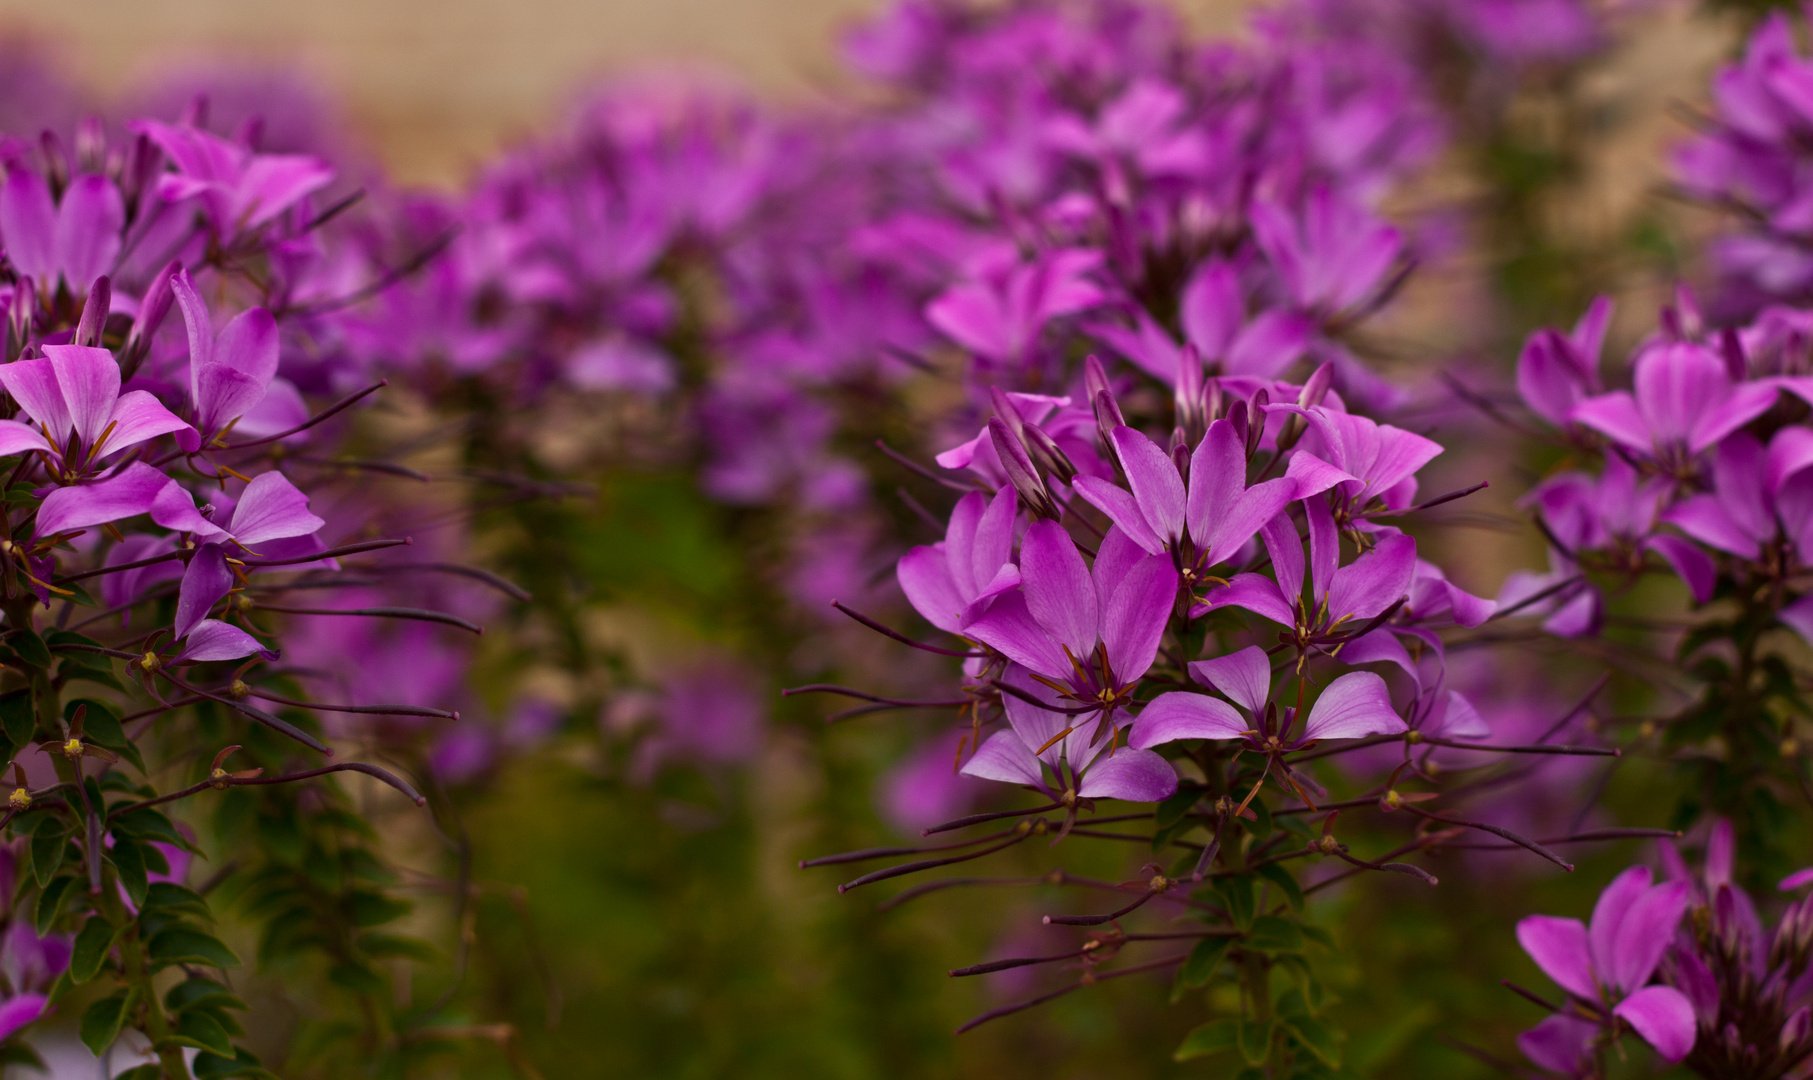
[1131, 775]
[1375, 580]
[89, 379]
[1134, 616]
[1664, 1017]
[1005, 758]
[926, 580]
[206, 582]
[1185, 715]
[1257, 594]
[1153, 477]
[1353, 705]
[1559, 1044]
[84, 506]
[1559, 948]
[1245, 677]
[1059, 592]
[1009, 628]
[88, 230]
[271, 508]
[28, 223]
[1644, 935]
[138, 416]
[1122, 509]
[1613, 905]
[215, 640]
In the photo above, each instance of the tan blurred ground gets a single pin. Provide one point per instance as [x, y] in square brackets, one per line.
[436, 85]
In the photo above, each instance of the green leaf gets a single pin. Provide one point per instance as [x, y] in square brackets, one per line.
[1261, 825]
[50, 902]
[1255, 1040]
[101, 724]
[186, 945]
[129, 859]
[375, 909]
[377, 944]
[1315, 1036]
[1274, 934]
[30, 647]
[151, 825]
[1317, 934]
[209, 1066]
[171, 897]
[200, 993]
[355, 977]
[101, 1022]
[17, 1053]
[1213, 1037]
[197, 1028]
[1281, 877]
[48, 847]
[143, 1072]
[54, 638]
[91, 948]
[1237, 894]
[18, 717]
[1200, 965]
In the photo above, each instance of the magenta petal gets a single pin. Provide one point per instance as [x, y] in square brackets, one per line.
[89, 379]
[1115, 557]
[1664, 1017]
[1005, 758]
[1547, 380]
[248, 344]
[20, 1010]
[1790, 452]
[960, 538]
[927, 583]
[1245, 677]
[1184, 715]
[1009, 628]
[33, 384]
[88, 230]
[1006, 578]
[223, 395]
[17, 438]
[1153, 477]
[1559, 948]
[1058, 589]
[271, 508]
[1254, 592]
[1313, 476]
[1559, 1044]
[1798, 617]
[1130, 774]
[1381, 647]
[1040, 728]
[993, 545]
[1675, 385]
[1270, 344]
[1746, 403]
[1354, 705]
[28, 223]
[1217, 477]
[200, 326]
[1644, 934]
[1134, 616]
[1286, 549]
[214, 640]
[82, 507]
[1615, 414]
[205, 582]
[1122, 509]
[174, 508]
[1254, 508]
[1614, 904]
[1375, 580]
[1694, 566]
[1797, 879]
[138, 416]
[272, 183]
[1324, 549]
[1212, 308]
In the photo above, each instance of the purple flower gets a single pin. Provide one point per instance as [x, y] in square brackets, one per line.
[1092, 633]
[269, 509]
[1341, 598]
[230, 373]
[999, 316]
[1213, 311]
[206, 582]
[1606, 968]
[239, 189]
[1205, 523]
[1362, 459]
[952, 581]
[1354, 705]
[72, 394]
[1084, 765]
[1331, 258]
[1682, 401]
[75, 240]
[1557, 371]
[1759, 499]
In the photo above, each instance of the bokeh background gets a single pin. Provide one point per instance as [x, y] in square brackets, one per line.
[661, 929]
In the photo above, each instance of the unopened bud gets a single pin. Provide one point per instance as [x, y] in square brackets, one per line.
[1191, 409]
[1020, 471]
[94, 313]
[1255, 408]
[1796, 1029]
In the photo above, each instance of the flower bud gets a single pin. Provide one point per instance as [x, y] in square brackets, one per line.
[1795, 1031]
[94, 312]
[1192, 412]
[1255, 408]
[1020, 471]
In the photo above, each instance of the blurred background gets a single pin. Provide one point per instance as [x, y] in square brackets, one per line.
[435, 86]
[658, 926]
